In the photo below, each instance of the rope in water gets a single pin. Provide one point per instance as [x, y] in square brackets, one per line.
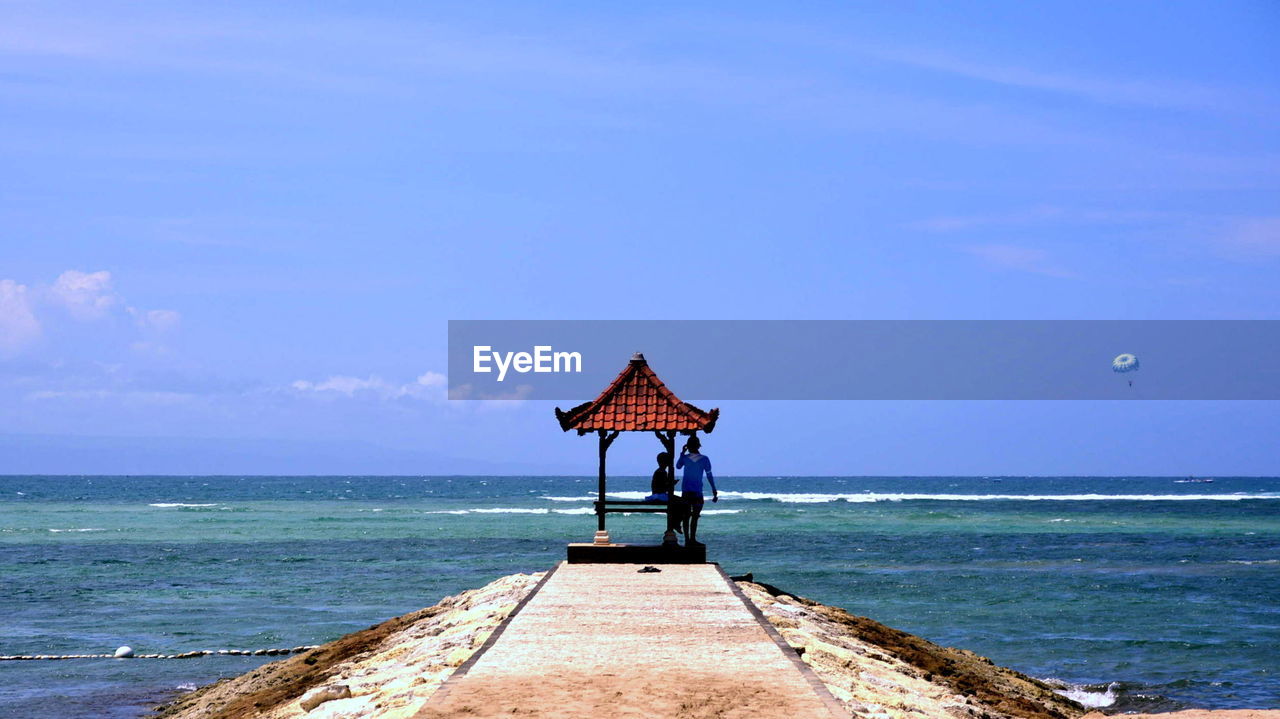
[184, 655]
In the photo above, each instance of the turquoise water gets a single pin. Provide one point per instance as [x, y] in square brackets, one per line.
[1142, 592]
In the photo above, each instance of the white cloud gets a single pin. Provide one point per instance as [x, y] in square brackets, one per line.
[157, 320]
[429, 385]
[432, 379]
[516, 396]
[1145, 92]
[343, 385]
[150, 349]
[133, 396]
[1253, 238]
[18, 324]
[1042, 214]
[1020, 259]
[85, 295]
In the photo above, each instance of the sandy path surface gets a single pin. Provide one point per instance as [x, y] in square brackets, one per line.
[603, 640]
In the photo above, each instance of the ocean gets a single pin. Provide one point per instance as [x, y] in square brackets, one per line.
[1135, 593]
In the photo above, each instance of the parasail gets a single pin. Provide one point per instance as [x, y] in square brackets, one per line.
[1125, 363]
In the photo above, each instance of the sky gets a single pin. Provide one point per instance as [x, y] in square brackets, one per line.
[232, 234]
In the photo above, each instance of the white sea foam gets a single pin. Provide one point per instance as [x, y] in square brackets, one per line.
[863, 497]
[1091, 699]
[1253, 561]
[525, 510]
[627, 495]
[78, 529]
[801, 498]
[180, 504]
[814, 498]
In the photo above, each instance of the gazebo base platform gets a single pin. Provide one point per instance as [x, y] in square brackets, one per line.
[587, 553]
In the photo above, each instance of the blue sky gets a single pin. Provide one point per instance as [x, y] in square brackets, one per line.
[231, 235]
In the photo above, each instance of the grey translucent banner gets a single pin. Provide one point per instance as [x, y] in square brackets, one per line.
[574, 360]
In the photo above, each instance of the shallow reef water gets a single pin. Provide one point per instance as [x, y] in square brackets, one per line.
[1134, 593]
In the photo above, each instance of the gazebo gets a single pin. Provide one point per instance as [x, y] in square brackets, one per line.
[637, 401]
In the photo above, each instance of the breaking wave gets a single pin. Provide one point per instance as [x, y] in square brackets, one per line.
[863, 497]
[1089, 696]
[906, 497]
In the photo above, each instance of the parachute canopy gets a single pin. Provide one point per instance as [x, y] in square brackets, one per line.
[1124, 363]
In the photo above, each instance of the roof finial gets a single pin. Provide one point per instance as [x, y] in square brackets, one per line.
[638, 358]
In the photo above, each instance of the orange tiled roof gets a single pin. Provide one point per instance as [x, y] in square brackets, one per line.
[637, 401]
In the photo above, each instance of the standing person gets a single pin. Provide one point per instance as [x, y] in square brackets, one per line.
[695, 465]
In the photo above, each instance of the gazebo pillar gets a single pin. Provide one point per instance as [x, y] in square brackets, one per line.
[602, 534]
[668, 440]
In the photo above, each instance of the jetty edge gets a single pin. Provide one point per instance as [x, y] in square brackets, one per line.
[393, 668]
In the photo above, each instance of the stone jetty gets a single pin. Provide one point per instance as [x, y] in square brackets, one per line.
[609, 641]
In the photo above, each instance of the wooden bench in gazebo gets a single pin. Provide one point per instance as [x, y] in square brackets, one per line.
[637, 401]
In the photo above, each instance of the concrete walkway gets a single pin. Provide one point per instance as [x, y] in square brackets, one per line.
[599, 641]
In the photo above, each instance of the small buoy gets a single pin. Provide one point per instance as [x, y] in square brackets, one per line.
[124, 652]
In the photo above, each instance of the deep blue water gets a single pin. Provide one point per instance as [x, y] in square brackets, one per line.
[1164, 591]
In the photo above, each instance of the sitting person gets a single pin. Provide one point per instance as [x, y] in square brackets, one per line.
[663, 480]
[662, 489]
